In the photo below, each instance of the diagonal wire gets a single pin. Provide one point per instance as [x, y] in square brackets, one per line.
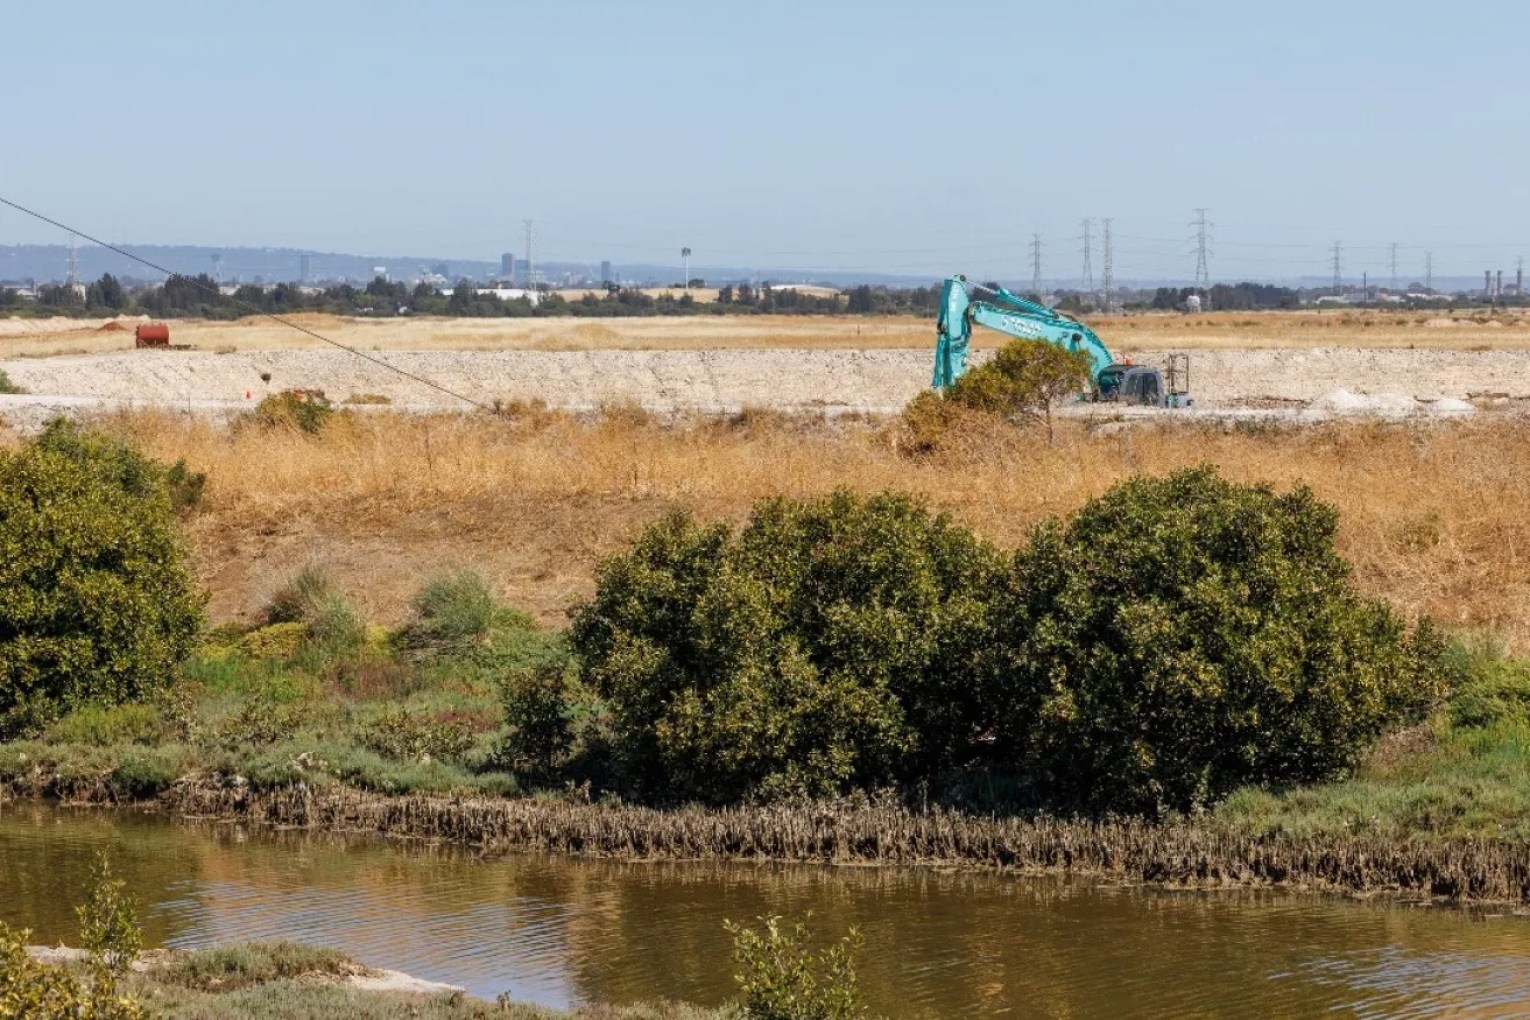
[245, 304]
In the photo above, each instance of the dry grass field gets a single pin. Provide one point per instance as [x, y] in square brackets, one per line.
[1433, 515]
[1504, 330]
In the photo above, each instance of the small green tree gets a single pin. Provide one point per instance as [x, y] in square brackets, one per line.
[1024, 381]
[781, 978]
[97, 601]
[108, 921]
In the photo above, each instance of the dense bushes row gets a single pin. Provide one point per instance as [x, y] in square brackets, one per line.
[1178, 638]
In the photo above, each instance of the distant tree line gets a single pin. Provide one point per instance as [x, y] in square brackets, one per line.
[201, 297]
[1234, 297]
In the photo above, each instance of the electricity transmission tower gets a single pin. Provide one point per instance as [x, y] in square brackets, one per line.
[1088, 277]
[1109, 280]
[1429, 272]
[1036, 265]
[530, 266]
[1394, 268]
[74, 262]
[1338, 268]
[1202, 252]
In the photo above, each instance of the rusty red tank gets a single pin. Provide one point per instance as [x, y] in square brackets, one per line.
[152, 334]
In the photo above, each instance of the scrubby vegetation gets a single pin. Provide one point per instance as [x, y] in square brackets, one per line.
[1022, 383]
[97, 603]
[305, 411]
[1179, 642]
[1177, 639]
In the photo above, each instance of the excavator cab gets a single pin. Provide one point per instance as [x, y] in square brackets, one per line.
[1140, 385]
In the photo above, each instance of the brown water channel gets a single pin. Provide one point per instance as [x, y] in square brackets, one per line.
[562, 931]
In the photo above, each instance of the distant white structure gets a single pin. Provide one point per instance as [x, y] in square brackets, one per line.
[1193, 303]
[510, 293]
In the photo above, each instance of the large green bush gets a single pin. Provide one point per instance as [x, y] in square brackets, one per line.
[829, 644]
[1183, 636]
[96, 600]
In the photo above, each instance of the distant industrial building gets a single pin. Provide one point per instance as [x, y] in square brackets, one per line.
[303, 268]
[507, 266]
[605, 273]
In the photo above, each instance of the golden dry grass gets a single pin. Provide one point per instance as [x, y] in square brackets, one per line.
[1503, 330]
[1433, 516]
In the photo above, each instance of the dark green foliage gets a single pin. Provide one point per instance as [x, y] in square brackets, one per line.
[1179, 638]
[781, 978]
[1183, 636]
[6, 386]
[553, 719]
[826, 646]
[185, 486]
[96, 600]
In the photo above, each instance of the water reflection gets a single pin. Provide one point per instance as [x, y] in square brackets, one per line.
[559, 931]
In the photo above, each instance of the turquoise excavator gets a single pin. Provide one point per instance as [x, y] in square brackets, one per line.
[964, 304]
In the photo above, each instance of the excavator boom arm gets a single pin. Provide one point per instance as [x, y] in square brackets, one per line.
[963, 303]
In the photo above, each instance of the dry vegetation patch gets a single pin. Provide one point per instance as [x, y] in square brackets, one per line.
[1432, 515]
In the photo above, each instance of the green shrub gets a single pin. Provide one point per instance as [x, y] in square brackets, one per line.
[108, 921]
[1184, 636]
[307, 411]
[7, 386]
[299, 599]
[1023, 381]
[827, 645]
[453, 609]
[185, 486]
[30, 990]
[406, 736]
[96, 599]
[781, 978]
[549, 714]
[279, 642]
[1495, 692]
[105, 725]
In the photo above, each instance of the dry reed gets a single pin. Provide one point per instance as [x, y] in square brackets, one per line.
[1178, 853]
[1433, 516]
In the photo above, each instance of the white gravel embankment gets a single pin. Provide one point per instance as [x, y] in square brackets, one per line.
[1328, 380]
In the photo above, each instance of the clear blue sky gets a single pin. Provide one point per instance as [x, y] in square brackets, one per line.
[920, 138]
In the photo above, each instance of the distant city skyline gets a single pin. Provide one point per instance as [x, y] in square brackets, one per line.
[885, 137]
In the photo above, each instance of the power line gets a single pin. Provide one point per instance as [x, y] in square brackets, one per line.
[244, 304]
[1087, 279]
[1202, 249]
[1110, 270]
[531, 279]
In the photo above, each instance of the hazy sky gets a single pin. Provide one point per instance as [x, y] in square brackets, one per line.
[919, 138]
